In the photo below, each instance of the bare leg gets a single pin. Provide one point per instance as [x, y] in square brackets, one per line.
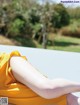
[73, 100]
[61, 87]
[25, 73]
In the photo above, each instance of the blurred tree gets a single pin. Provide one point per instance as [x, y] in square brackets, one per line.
[60, 16]
[74, 12]
[46, 13]
[16, 11]
[34, 16]
[28, 17]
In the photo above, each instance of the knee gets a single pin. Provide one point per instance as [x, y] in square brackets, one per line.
[44, 89]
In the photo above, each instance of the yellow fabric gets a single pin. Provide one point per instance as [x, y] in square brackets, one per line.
[17, 93]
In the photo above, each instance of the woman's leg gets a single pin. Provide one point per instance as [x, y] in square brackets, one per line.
[73, 100]
[61, 87]
[25, 73]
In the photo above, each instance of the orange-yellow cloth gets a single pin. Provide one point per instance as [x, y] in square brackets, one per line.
[17, 93]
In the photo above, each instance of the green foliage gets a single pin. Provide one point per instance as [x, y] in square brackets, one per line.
[36, 27]
[14, 21]
[25, 42]
[34, 16]
[16, 27]
[24, 17]
[60, 16]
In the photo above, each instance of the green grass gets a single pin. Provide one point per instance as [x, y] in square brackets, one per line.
[64, 43]
[60, 42]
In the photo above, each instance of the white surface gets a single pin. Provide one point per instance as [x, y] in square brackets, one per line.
[53, 63]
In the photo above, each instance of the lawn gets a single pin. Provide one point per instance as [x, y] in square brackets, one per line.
[64, 43]
[60, 42]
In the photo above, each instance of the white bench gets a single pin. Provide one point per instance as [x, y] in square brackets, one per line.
[53, 63]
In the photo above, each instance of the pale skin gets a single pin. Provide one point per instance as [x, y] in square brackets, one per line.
[47, 88]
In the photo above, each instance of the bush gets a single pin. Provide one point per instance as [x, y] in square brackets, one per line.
[16, 27]
[70, 32]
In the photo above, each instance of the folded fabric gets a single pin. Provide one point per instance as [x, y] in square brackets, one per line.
[18, 93]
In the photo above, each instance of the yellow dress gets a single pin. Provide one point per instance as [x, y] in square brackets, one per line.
[17, 93]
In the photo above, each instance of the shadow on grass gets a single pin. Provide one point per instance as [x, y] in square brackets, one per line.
[61, 43]
[27, 42]
[64, 44]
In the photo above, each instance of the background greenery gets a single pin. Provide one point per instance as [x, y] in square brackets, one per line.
[47, 25]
